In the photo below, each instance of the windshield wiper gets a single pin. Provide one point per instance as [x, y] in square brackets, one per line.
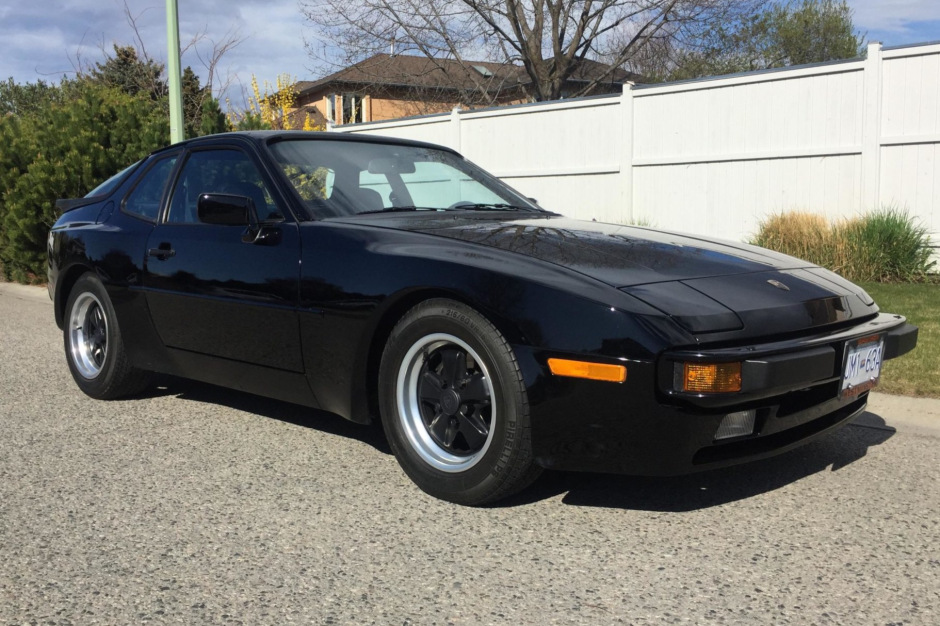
[397, 209]
[491, 206]
[459, 206]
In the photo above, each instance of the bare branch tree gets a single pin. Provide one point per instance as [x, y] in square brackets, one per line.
[550, 39]
[659, 58]
[211, 58]
[130, 68]
[208, 51]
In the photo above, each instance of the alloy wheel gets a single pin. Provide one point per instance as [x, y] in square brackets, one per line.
[446, 402]
[88, 335]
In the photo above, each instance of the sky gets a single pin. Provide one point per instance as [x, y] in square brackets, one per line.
[49, 39]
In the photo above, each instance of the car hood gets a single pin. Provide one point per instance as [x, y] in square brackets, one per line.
[704, 284]
[621, 256]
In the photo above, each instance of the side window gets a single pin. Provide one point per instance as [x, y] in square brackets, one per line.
[144, 200]
[220, 171]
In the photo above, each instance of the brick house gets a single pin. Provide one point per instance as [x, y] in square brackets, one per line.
[386, 86]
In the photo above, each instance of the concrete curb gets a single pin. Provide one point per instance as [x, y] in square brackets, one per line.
[897, 413]
[904, 414]
[24, 292]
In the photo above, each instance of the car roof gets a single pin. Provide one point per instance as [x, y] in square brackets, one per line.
[266, 137]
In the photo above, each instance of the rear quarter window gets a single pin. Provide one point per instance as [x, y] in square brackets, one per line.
[112, 183]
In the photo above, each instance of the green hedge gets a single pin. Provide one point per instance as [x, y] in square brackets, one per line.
[63, 150]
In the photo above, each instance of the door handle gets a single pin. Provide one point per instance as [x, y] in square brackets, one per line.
[163, 252]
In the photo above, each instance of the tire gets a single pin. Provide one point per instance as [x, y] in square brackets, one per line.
[94, 348]
[454, 406]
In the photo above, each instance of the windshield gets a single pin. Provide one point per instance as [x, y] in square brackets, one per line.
[343, 178]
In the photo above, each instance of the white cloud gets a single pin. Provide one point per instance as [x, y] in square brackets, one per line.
[893, 15]
[37, 53]
[39, 43]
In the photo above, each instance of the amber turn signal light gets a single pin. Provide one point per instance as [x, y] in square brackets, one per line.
[711, 377]
[585, 369]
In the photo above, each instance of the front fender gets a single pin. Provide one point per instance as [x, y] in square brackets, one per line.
[358, 282]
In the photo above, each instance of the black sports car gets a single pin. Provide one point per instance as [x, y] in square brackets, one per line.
[386, 278]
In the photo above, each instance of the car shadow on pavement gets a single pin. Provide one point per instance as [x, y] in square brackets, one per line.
[714, 487]
[287, 412]
[662, 494]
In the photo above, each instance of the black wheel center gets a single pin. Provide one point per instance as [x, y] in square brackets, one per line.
[450, 402]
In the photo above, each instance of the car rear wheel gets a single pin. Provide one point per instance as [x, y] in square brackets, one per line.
[94, 347]
[454, 407]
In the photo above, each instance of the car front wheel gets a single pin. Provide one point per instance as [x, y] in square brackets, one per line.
[94, 347]
[454, 406]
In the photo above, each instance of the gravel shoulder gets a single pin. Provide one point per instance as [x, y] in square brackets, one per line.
[199, 505]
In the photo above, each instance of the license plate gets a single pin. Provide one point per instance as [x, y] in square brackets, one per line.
[862, 365]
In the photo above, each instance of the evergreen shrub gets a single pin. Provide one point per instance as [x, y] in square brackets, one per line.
[63, 151]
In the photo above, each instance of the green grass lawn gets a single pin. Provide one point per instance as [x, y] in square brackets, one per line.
[917, 373]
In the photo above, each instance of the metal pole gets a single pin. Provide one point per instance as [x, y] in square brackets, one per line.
[173, 71]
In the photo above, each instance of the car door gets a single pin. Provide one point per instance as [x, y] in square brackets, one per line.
[211, 291]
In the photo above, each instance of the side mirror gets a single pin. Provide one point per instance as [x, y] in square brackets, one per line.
[224, 209]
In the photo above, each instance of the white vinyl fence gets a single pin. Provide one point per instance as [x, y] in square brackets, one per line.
[716, 156]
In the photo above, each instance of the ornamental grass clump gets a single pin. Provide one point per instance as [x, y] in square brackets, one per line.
[804, 235]
[884, 246]
[887, 245]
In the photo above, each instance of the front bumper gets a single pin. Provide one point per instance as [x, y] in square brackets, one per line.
[644, 427]
[772, 368]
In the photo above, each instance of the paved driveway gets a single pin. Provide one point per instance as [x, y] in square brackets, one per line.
[195, 504]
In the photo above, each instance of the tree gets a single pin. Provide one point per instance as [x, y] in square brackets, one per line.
[64, 150]
[132, 70]
[61, 141]
[201, 112]
[131, 73]
[783, 34]
[272, 107]
[134, 73]
[813, 31]
[17, 99]
[212, 120]
[549, 38]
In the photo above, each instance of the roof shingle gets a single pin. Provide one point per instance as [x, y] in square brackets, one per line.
[403, 70]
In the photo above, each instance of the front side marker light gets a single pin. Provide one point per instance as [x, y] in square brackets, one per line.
[586, 369]
[711, 377]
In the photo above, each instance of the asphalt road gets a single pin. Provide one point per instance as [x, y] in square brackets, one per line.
[197, 505]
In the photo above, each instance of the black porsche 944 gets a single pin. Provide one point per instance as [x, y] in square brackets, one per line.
[394, 280]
